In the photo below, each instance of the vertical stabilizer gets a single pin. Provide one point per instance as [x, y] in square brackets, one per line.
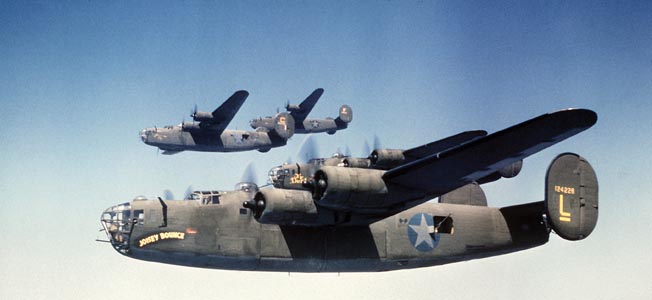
[571, 197]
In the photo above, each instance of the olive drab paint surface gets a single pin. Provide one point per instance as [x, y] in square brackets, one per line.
[572, 196]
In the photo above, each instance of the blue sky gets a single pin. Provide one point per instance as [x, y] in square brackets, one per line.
[78, 80]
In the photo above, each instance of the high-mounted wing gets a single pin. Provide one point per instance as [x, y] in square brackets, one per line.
[443, 144]
[306, 106]
[443, 172]
[222, 116]
[386, 159]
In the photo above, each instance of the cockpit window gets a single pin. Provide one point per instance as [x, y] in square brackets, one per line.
[206, 197]
[139, 215]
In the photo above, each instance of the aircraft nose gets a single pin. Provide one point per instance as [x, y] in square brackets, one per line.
[116, 222]
[143, 134]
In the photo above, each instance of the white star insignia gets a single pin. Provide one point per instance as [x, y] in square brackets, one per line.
[423, 232]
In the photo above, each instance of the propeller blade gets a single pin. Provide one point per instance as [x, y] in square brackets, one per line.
[377, 144]
[167, 195]
[249, 174]
[365, 149]
[347, 151]
[308, 149]
[188, 192]
[193, 112]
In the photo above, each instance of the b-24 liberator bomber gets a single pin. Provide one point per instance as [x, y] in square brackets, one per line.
[304, 125]
[210, 133]
[369, 219]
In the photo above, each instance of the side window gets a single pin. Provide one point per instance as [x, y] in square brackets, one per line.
[139, 216]
[444, 224]
[215, 199]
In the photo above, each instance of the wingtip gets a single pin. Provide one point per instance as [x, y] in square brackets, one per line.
[587, 117]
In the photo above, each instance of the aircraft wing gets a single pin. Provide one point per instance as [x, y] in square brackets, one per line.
[223, 115]
[306, 106]
[441, 145]
[443, 172]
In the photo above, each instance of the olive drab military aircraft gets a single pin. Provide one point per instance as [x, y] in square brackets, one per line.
[210, 133]
[360, 219]
[304, 125]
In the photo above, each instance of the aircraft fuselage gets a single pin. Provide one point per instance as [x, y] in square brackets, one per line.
[173, 138]
[226, 236]
[307, 126]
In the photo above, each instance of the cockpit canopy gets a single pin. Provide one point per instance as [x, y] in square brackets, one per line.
[206, 197]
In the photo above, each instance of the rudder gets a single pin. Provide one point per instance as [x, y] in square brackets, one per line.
[284, 125]
[571, 199]
[345, 117]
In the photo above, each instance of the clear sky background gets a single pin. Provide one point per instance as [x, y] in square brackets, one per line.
[79, 80]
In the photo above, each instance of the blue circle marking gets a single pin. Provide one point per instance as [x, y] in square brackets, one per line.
[421, 232]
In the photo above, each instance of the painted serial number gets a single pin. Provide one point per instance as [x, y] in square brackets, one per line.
[565, 190]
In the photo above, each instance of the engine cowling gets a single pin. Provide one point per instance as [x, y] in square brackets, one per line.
[292, 107]
[190, 126]
[386, 158]
[511, 170]
[348, 187]
[284, 207]
[201, 116]
[354, 162]
[506, 172]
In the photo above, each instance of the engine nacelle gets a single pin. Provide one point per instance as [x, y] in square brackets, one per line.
[354, 162]
[201, 116]
[348, 187]
[506, 172]
[284, 207]
[386, 159]
[292, 107]
[511, 170]
[190, 126]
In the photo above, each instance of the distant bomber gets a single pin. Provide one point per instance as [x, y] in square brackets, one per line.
[302, 124]
[374, 214]
[211, 135]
